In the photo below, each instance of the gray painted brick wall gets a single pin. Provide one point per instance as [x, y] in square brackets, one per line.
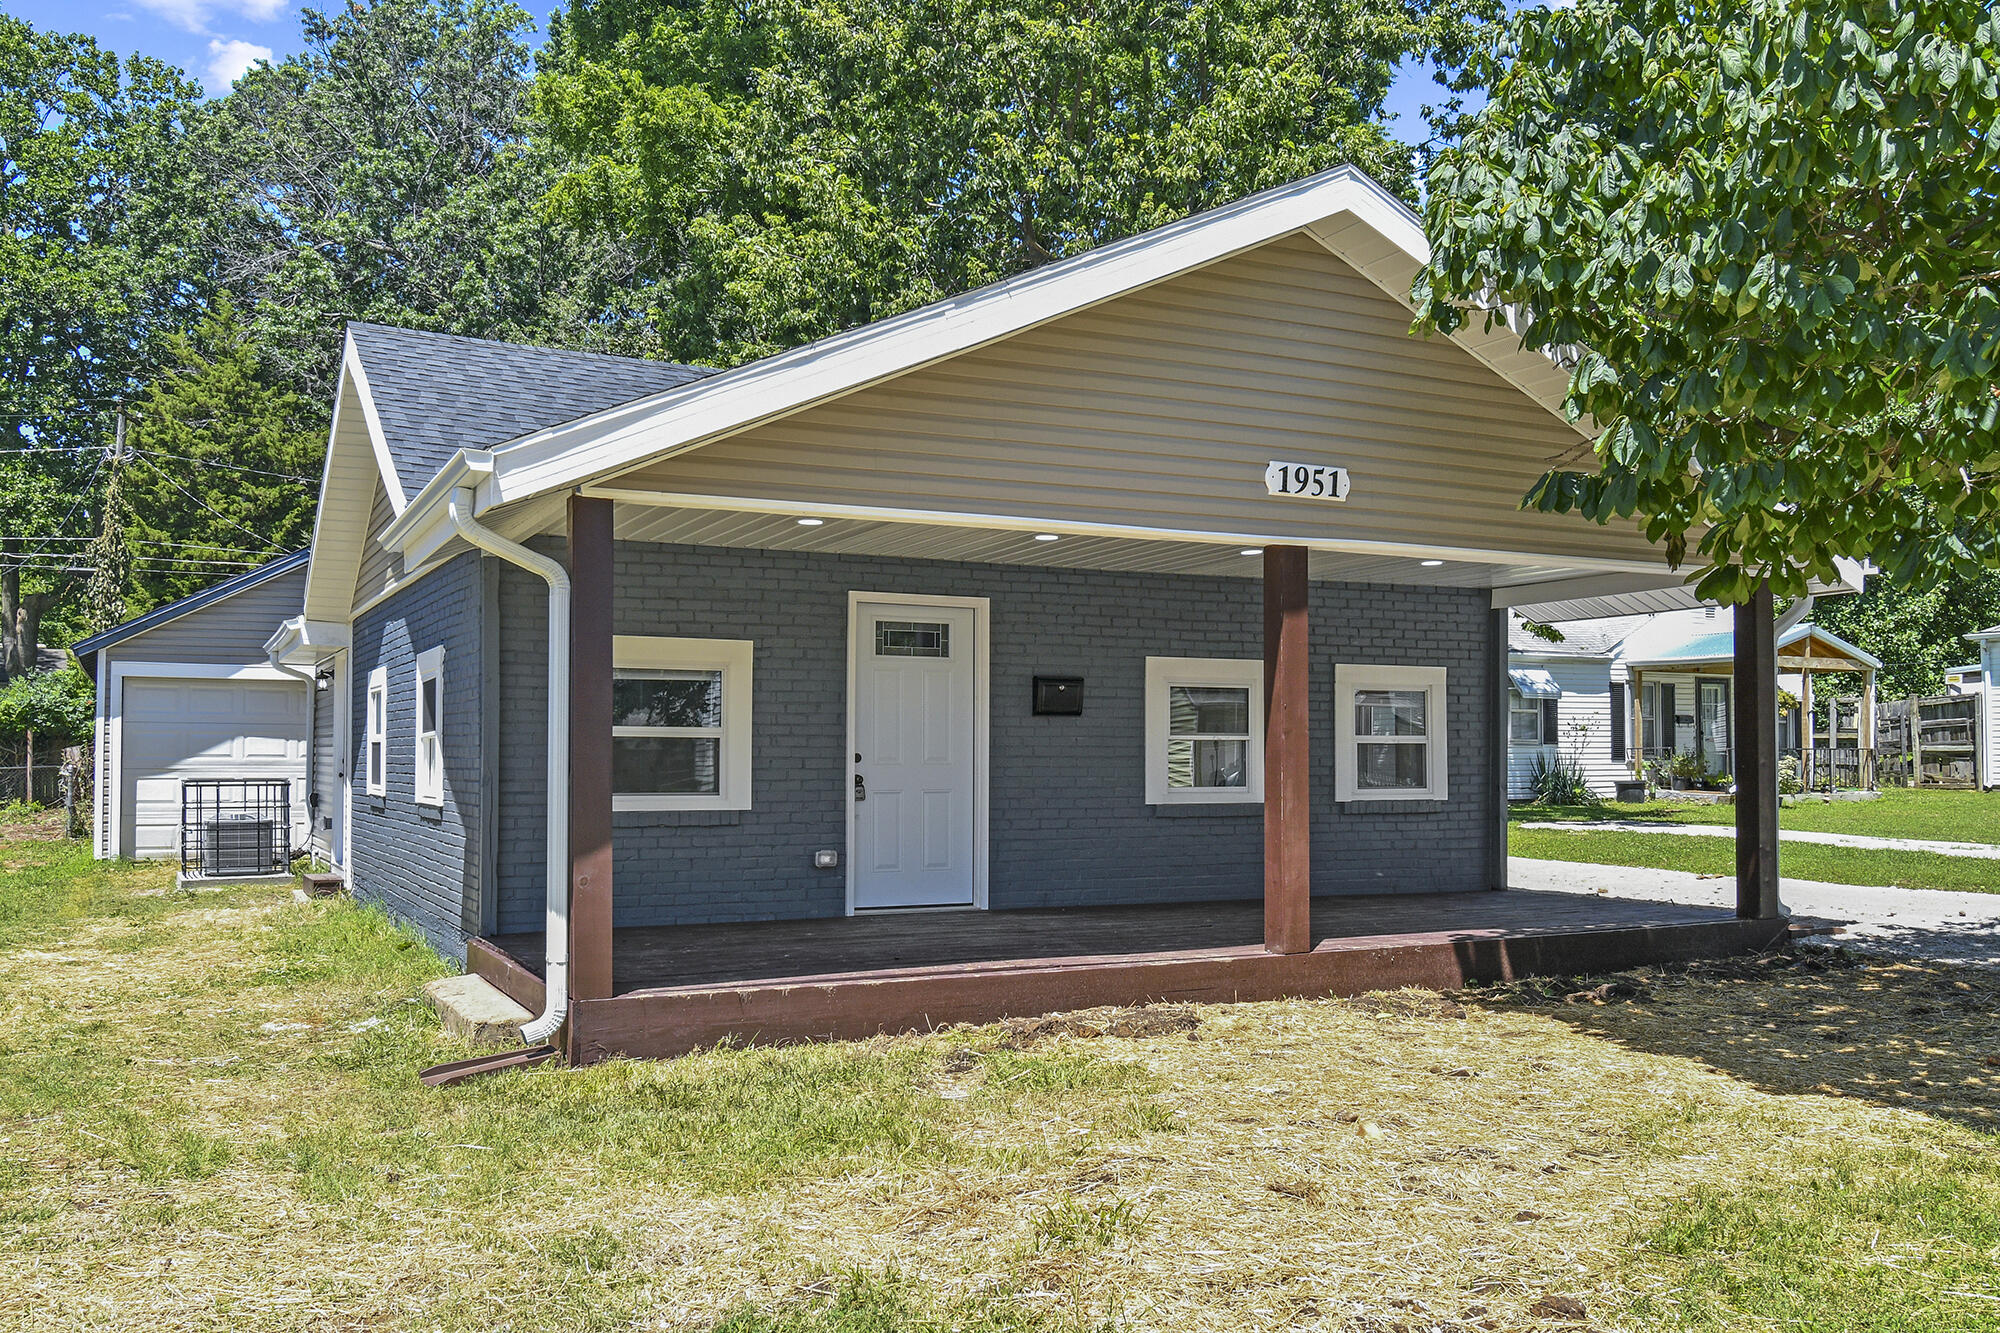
[1069, 821]
[422, 862]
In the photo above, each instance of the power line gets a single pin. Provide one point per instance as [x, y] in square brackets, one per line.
[233, 467]
[203, 503]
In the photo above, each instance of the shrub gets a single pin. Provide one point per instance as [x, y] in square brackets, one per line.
[1558, 780]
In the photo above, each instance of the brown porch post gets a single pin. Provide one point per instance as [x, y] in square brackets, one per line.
[590, 749]
[1757, 766]
[1287, 754]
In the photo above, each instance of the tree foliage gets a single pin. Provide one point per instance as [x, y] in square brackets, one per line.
[794, 169]
[1918, 631]
[1769, 227]
[224, 464]
[385, 173]
[95, 248]
[57, 706]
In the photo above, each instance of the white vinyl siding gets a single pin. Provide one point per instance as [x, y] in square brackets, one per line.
[1163, 408]
[1585, 704]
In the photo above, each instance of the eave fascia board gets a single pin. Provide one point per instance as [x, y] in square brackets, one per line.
[650, 429]
[425, 525]
[392, 480]
[1132, 532]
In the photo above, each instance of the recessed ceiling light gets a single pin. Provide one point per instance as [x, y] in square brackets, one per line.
[1430, 564]
[1045, 536]
[1252, 550]
[811, 522]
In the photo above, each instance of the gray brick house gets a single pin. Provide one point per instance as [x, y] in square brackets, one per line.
[1173, 574]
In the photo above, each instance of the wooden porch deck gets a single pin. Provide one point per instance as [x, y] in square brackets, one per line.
[680, 987]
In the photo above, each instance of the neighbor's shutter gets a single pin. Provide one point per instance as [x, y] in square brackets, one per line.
[1549, 734]
[1618, 719]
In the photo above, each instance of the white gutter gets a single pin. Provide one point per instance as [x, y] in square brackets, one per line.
[555, 944]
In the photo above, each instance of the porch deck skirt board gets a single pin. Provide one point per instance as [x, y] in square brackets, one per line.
[848, 986]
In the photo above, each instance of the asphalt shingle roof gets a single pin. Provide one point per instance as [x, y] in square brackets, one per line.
[437, 393]
[1581, 638]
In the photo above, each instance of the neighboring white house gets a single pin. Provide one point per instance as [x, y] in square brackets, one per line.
[1983, 678]
[1630, 688]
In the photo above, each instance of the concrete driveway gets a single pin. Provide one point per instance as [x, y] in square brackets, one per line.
[1948, 927]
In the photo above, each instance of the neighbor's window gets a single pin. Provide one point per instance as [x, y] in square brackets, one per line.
[1390, 733]
[376, 734]
[1524, 719]
[1204, 730]
[430, 748]
[680, 733]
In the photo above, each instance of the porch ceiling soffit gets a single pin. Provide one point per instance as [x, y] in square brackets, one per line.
[651, 429]
[357, 454]
[1013, 544]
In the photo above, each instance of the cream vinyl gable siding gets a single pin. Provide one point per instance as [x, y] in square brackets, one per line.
[379, 565]
[1586, 702]
[1161, 409]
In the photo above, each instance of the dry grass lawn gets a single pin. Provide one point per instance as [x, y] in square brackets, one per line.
[209, 1120]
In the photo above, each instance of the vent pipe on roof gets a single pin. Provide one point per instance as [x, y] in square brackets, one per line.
[555, 942]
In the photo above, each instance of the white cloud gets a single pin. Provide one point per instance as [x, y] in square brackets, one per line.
[194, 15]
[228, 59]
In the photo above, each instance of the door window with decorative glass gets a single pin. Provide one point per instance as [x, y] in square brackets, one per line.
[1204, 730]
[1390, 736]
[680, 735]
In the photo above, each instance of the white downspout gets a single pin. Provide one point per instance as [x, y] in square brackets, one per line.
[555, 945]
[271, 651]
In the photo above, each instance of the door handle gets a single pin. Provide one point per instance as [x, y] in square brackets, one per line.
[860, 788]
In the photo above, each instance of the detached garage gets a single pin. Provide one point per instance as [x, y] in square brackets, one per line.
[187, 693]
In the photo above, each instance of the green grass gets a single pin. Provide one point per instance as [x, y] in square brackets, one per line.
[1802, 860]
[1942, 816]
[209, 1120]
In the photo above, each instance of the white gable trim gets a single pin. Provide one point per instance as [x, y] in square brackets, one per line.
[599, 446]
[340, 528]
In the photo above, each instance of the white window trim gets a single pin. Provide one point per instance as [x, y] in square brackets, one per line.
[375, 732]
[1519, 705]
[1347, 679]
[1163, 673]
[732, 657]
[430, 666]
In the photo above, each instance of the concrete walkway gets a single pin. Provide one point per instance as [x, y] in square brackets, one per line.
[1983, 850]
[1948, 927]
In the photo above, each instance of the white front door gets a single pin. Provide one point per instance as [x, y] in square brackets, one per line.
[915, 779]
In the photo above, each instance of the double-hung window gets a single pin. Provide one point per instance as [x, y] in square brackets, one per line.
[430, 745]
[375, 760]
[1389, 729]
[680, 735]
[1524, 719]
[1204, 731]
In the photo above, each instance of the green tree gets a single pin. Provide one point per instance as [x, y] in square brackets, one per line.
[384, 173]
[97, 209]
[1917, 631]
[793, 169]
[1765, 230]
[222, 467]
[59, 707]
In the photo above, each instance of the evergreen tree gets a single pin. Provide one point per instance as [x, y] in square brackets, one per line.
[223, 468]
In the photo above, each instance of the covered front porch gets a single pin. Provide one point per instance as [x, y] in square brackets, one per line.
[676, 988]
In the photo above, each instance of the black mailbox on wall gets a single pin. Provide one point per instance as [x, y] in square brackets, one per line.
[1058, 696]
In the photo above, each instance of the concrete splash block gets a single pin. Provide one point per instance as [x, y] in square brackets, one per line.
[472, 1008]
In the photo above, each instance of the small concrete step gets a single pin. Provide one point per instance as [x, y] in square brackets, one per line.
[472, 1008]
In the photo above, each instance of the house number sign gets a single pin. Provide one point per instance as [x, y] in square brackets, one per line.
[1306, 481]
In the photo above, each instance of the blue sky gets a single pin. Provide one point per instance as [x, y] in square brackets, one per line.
[216, 40]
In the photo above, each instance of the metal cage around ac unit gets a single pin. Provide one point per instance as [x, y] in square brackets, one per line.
[235, 827]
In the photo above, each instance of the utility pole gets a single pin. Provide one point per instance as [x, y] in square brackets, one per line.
[110, 558]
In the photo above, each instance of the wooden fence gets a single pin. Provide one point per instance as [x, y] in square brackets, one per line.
[1929, 742]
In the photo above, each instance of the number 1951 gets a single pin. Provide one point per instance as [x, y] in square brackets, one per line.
[1307, 481]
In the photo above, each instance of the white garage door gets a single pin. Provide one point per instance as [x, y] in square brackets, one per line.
[175, 728]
